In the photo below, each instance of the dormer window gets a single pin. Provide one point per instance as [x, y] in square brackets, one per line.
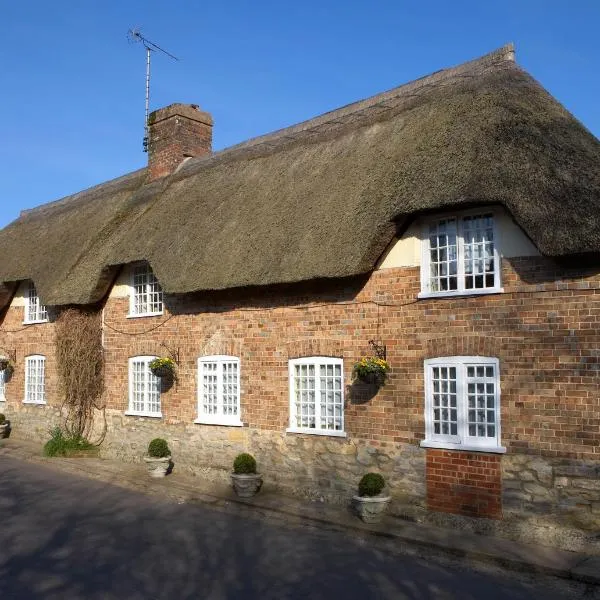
[460, 256]
[35, 312]
[146, 297]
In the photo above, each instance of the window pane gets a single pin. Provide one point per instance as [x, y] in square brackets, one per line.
[230, 388]
[481, 401]
[442, 256]
[478, 252]
[445, 414]
[209, 388]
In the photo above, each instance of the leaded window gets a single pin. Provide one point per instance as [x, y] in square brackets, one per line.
[316, 395]
[462, 402]
[219, 390]
[146, 293]
[35, 379]
[144, 388]
[35, 311]
[460, 256]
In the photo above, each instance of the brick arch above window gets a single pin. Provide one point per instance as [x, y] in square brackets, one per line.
[462, 345]
[147, 348]
[218, 343]
[315, 347]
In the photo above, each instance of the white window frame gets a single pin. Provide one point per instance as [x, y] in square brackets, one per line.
[462, 440]
[151, 280]
[145, 412]
[35, 312]
[35, 396]
[317, 361]
[3, 386]
[219, 418]
[426, 291]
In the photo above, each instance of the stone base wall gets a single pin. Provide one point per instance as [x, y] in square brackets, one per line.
[569, 490]
[545, 502]
[306, 465]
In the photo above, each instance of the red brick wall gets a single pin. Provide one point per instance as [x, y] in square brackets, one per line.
[464, 483]
[544, 329]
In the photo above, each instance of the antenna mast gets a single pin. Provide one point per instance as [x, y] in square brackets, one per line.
[134, 35]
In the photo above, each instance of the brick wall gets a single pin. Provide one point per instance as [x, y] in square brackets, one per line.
[464, 483]
[543, 329]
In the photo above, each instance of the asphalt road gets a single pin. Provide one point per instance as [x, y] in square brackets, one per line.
[64, 537]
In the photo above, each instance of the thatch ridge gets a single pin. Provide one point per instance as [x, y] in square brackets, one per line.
[323, 199]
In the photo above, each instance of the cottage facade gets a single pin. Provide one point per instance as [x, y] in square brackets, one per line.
[451, 222]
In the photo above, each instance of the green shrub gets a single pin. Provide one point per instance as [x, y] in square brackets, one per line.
[2, 418]
[371, 484]
[244, 464]
[60, 444]
[158, 448]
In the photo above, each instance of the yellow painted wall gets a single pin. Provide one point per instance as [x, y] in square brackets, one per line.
[406, 251]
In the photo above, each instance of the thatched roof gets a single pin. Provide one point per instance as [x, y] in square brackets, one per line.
[324, 198]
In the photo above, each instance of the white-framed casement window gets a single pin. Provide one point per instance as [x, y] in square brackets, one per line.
[144, 388]
[462, 403]
[35, 312]
[2, 386]
[460, 255]
[219, 390]
[317, 395]
[146, 295]
[35, 379]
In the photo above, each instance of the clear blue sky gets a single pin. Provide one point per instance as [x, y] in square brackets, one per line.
[72, 87]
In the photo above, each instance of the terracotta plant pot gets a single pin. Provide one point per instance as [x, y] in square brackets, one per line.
[371, 508]
[246, 485]
[157, 467]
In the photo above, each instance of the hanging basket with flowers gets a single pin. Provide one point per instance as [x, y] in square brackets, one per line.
[162, 367]
[371, 369]
[6, 366]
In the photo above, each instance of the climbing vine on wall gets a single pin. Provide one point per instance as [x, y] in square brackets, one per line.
[80, 364]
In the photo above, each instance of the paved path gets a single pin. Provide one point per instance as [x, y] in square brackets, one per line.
[67, 537]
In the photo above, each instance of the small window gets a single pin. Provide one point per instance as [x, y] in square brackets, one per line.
[462, 403]
[460, 256]
[144, 388]
[2, 386]
[35, 379]
[316, 395]
[219, 390]
[35, 312]
[146, 296]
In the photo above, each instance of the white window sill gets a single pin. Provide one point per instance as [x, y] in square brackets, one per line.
[131, 413]
[156, 314]
[35, 402]
[460, 293]
[2, 399]
[464, 447]
[326, 432]
[35, 322]
[216, 422]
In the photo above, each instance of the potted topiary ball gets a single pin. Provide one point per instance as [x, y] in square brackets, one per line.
[159, 458]
[246, 481]
[370, 504]
[4, 426]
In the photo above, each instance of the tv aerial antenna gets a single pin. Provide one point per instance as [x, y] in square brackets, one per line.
[135, 35]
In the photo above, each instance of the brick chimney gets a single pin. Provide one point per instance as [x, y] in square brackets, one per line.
[175, 133]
